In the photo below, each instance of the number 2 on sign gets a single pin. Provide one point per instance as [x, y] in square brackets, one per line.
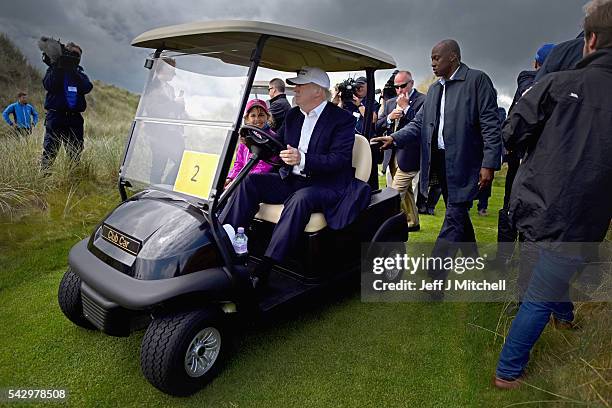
[197, 170]
[196, 173]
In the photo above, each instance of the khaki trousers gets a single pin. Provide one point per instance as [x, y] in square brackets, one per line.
[402, 182]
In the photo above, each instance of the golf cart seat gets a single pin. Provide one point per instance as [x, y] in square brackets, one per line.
[362, 162]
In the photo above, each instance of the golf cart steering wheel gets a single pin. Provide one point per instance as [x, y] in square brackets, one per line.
[263, 143]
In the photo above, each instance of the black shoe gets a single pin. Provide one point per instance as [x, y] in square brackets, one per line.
[430, 212]
[414, 228]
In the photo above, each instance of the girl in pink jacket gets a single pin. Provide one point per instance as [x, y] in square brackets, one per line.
[256, 114]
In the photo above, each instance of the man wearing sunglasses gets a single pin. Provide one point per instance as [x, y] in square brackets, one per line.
[402, 164]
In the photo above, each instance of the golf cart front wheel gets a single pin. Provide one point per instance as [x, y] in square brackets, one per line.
[69, 299]
[181, 353]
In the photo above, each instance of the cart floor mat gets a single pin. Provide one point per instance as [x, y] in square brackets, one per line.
[280, 289]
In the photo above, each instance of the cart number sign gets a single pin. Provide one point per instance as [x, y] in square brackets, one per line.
[196, 173]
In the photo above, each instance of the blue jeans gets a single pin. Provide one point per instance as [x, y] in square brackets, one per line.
[548, 292]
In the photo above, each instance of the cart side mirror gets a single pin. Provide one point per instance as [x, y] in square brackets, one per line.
[148, 63]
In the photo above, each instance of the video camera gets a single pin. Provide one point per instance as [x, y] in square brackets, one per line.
[56, 54]
[388, 90]
[347, 89]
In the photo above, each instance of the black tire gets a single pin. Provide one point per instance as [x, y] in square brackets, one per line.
[69, 299]
[163, 353]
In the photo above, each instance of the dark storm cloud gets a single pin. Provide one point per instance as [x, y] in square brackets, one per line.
[499, 37]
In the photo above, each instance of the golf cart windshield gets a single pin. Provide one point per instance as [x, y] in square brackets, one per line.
[184, 120]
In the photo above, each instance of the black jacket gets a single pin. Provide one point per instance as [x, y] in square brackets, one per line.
[523, 81]
[563, 189]
[279, 106]
[472, 135]
[55, 81]
[563, 56]
[408, 158]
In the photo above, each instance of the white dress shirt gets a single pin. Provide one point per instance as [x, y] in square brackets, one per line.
[442, 101]
[310, 120]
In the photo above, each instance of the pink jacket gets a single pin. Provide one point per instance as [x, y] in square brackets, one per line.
[242, 157]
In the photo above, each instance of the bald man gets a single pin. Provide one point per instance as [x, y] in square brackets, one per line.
[460, 137]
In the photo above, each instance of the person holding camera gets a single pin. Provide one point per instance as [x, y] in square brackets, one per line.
[352, 93]
[66, 85]
[402, 164]
[25, 116]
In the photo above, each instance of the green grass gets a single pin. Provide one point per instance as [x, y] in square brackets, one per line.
[339, 352]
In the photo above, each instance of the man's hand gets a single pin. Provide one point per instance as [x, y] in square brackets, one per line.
[486, 178]
[291, 156]
[396, 114]
[356, 100]
[402, 101]
[387, 142]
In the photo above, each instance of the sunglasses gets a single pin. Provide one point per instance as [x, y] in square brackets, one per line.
[402, 86]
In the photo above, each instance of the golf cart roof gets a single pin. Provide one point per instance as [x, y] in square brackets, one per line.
[288, 48]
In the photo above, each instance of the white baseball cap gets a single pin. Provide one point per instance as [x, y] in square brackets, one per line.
[308, 75]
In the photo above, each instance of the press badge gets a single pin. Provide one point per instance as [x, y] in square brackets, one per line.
[72, 89]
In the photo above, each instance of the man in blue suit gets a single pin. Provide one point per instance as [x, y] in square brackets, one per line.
[317, 177]
[460, 137]
[403, 165]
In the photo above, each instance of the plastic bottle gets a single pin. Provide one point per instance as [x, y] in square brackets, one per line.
[240, 244]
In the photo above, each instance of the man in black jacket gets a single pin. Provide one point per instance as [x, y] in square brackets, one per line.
[505, 231]
[279, 105]
[402, 164]
[66, 86]
[551, 210]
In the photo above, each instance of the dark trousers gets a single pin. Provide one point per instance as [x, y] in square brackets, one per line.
[433, 196]
[299, 197]
[457, 231]
[506, 232]
[483, 198]
[62, 128]
[23, 132]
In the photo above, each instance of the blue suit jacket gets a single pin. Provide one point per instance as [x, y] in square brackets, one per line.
[329, 160]
[408, 158]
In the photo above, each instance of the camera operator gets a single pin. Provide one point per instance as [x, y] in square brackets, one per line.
[352, 95]
[66, 85]
[353, 99]
[403, 164]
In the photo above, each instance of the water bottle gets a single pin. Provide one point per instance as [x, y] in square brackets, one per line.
[240, 245]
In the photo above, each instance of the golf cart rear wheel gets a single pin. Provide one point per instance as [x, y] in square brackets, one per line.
[69, 299]
[181, 353]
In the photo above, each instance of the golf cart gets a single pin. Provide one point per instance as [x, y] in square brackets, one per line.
[161, 260]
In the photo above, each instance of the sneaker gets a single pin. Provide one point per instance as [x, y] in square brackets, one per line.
[483, 212]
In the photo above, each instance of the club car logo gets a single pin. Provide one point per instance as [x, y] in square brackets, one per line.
[118, 239]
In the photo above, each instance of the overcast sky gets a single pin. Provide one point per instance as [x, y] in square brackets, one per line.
[498, 37]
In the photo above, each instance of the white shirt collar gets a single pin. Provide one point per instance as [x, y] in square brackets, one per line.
[443, 81]
[316, 112]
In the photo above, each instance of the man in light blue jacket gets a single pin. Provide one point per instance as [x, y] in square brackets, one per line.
[25, 116]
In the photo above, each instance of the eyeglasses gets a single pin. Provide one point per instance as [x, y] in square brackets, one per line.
[402, 86]
[269, 89]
